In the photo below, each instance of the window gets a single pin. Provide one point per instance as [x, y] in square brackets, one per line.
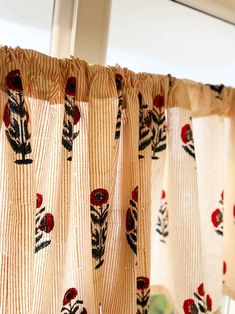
[26, 24]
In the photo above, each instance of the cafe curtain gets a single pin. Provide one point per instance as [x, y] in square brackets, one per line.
[114, 185]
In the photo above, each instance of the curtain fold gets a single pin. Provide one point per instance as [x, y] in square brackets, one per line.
[114, 185]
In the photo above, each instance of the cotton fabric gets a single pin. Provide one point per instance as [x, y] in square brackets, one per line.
[113, 184]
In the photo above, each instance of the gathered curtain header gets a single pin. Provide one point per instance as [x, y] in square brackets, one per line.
[45, 77]
[111, 188]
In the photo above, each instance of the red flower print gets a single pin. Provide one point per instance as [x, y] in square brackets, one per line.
[70, 86]
[47, 223]
[187, 139]
[44, 223]
[99, 224]
[163, 194]
[224, 267]
[18, 134]
[190, 307]
[222, 195]
[143, 293]
[70, 307]
[13, 80]
[208, 302]
[76, 115]
[130, 222]
[186, 133]
[118, 80]
[142, 283]
[6, 115]
[217, 217]
[158, 101]
[201, 290]
[27, 116]
[39, 200]
[70, 294]
[157, 119]
[234, 211]
[99, 197]
[135, 194]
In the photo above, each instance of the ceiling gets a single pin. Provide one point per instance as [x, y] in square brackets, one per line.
[224, 9]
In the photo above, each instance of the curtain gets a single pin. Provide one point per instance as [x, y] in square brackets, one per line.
[113, 184]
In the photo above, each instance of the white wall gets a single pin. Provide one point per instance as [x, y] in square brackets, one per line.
[26, 23]
[163, 37]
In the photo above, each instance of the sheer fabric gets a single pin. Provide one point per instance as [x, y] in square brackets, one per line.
[113, 184]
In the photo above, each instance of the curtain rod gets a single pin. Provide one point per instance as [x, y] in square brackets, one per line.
[198, 10]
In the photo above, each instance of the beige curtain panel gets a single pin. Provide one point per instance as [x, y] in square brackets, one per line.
[114, 185]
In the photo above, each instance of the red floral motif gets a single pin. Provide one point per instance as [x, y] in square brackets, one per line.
[27, 116]
[70, 305]
[157, 121]
[118, 80]
[70, 88]
[47, 223]
[208, 302]
[99, 197]
[99, 224]
[17, 131]
[142, 283]
[224, 268]
[143, 293]
[201, 290]
[39, 200]
[6, 115]
[71, 117]
[186, 134]
[190, 307]
[70, 294]
[76, 115]
[187, 139]
[158, 101]
[222, 195]
[130, 222]
[44, 224]
[199, 305]
[135, 194]
[217, 217]
[13, 80]
[163, 194]
[234, 211]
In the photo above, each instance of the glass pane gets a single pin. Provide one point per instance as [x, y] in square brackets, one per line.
[26, 23]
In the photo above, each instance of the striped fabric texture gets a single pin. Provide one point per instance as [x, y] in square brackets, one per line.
[114, 185]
